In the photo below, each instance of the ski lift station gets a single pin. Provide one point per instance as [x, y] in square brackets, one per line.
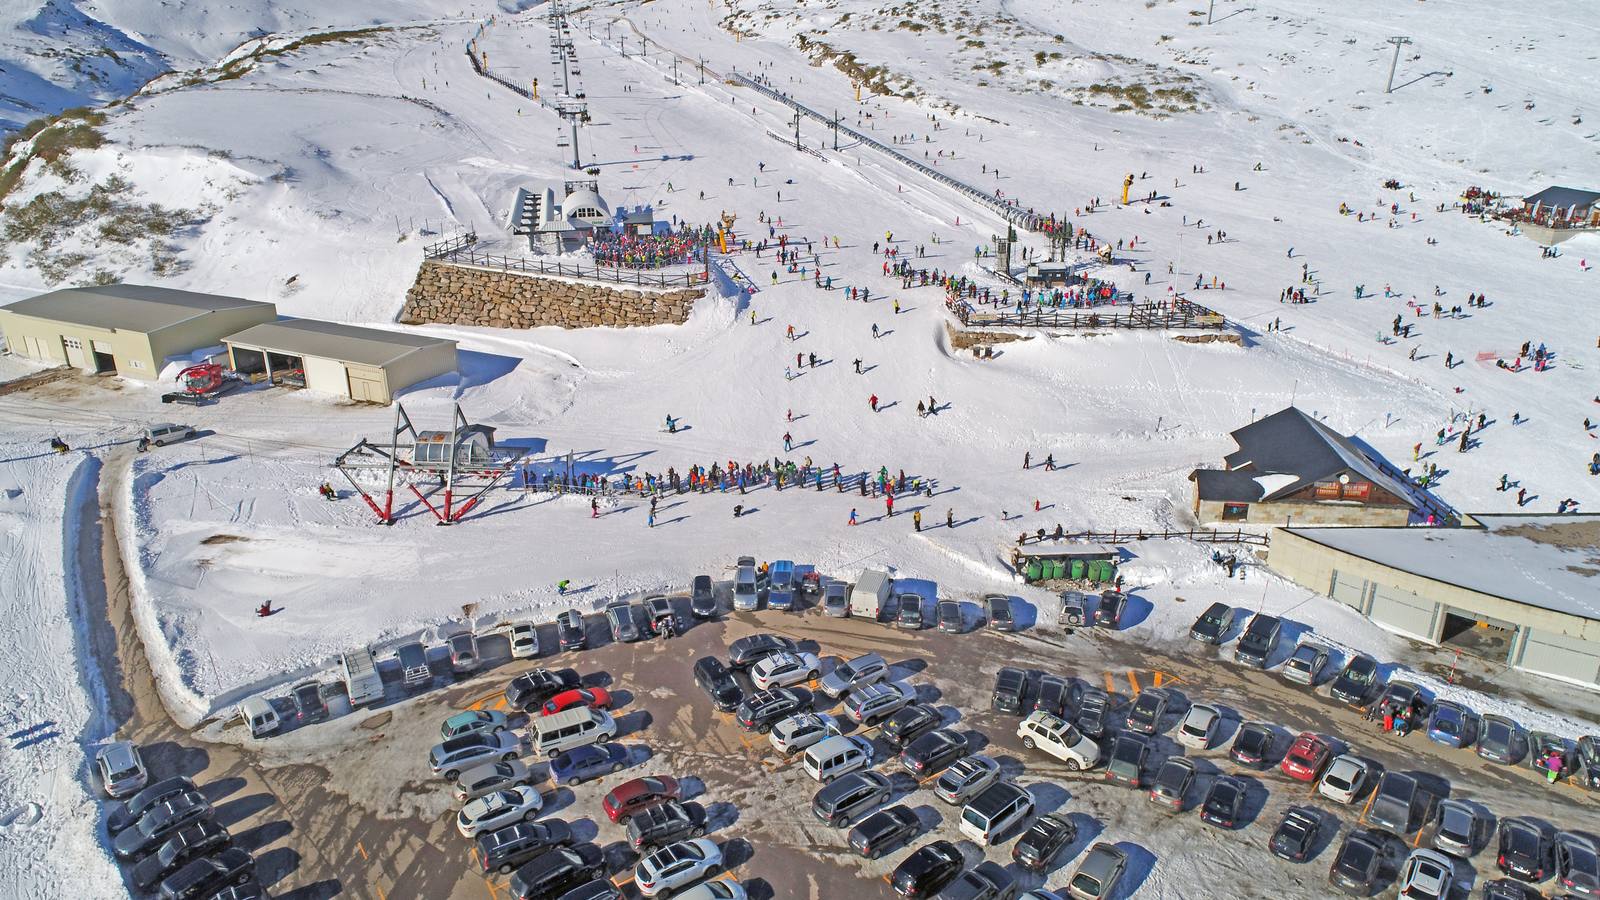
[367, 365]
[124, 329]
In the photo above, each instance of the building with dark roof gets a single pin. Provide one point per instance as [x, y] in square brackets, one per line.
[1292, 469]
[1563, 207]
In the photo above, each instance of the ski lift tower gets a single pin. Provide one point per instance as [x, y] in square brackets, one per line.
[575, 112]
[463, 464]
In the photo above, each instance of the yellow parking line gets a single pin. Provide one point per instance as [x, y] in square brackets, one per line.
[1157, 676]
[362, 849]
[745, 740]
[627, 879]
[1111, 687]
[1362, 819]
[1133, 681]
[381, 894]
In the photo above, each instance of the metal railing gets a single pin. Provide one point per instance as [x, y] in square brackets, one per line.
[459, 251]
[1117, 536]
[1150, 315]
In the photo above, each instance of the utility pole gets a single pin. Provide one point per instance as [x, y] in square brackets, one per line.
[1398, 42]
[1211, 11]
[797, 129]
[702, 70]
[674, 69]
[836, 131]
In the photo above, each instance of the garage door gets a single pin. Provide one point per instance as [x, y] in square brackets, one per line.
[1404, 611]
[1349, 591]
[367, 384]
[75, 356]
[326, 376]
[1562, 656]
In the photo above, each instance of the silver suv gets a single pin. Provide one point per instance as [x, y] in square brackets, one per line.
[875, 702]
[855, 674]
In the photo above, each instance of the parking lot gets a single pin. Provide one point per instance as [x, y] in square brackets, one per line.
[349, 808]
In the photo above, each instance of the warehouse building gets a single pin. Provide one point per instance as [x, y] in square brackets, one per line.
[125, 329]
[1523, 590]
[364, 364]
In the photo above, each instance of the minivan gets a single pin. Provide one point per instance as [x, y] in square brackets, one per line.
[1259, 640]
[780, 585]
[993, 812]
[745, 598]
[851, 797]
[576, 727]
[260, 716]
[838, 755]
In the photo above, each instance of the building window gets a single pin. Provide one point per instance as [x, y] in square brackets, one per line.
[1233, 512]
[136, 363]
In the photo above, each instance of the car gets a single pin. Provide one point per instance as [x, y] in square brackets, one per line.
[1345, 779]
[1259, 641]
[997, 612]
[164, 433]
[594, 698]
[590, 761]
[985, 881]
[1172, 782]
[1426, 875]
[1305, 664]
[933, 752]
[524, 638]
[675, 866]
[309, 707]
[1296, 834]
[189, 842]
[927, 870]
[534, 687]
[1094, 712]
[635, 794]
[1458, 827]
[909, 618]
[1588, 761]
[463, 647]
[619, 616]
[1501, 740]
[702, 597]
[472, 722]
[1213, 624]
[1507, 889]
[948, 614]
[450, 758]
[1148, 710]
[1252, 746]
[1224, 802]
[869, 668]
[908, 724]
[1099, 873]
[1074, 611]
[486, 779]
[1393, 804]
[499, 809]
[206, 876]
[1404, 698]
[1052, 734]
[249, 890]
[747, 651]
[850, 797]
[991, 815]
[570, 631]
[1199, 726]
[1358, 863]
[784, 669]
[159, 823]
[1044, 840]
[797, 732]
[559, 872]
[762, 709]
[1125, 765]
[1010, 687]
[836, 599]
[1355, 681]
[718, 682]
[1543, 747]
[966, 778]
[660, 615]
[504, 849]
[872, 704]
[716, 889]
[1039, 894]
[1108, 611]
[1452, 725]
[125, 815]
[1307, 757]
[121, 769]
[1526, 853]
[884, 830]
[1056, 695]
[1577, 863]
[665, 823]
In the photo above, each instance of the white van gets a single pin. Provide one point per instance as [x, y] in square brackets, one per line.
[576, 727]
[870, 594]
[361, 679]
[838, 755]
[260, 716]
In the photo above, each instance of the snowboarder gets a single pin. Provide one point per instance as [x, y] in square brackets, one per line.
[58, 445]
[933, 406]
[672, 425]
[1026, 457]
[650, 520]
[897, 307]
[594, 507]
[738, 510]
[852, 515]
[562, 585]
[873, 402]
[921, 412]
[788, 442]
[327, 491]
[888, 504]
[264, 609]
[949, 518]
[1505, 484]
[1522, 496]
[874, 330]
[916, 520]
[1050, 462]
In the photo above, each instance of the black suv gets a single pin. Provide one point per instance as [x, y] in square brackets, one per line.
[140, 803]
[1356, 680]
[883, 830]
[531, 689]
[717, 681]
[556, 871]
[205, 877]
[702, 598]
[1010, 686]
[1044, 839]
[188, 842]
[571, 631]
[1212, 624]
[158, 824]
[666, 823]
[1094, 711]
[506, 848]
[909, 723]
[1259, 640]
[761, 710]
[925, 872]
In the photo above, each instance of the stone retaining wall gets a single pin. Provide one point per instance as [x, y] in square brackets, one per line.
[446, 294]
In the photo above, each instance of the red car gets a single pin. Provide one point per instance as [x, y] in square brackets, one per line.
[641, 793]
[1307, 757]
[596, 698]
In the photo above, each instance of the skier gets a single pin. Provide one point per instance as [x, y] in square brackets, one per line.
[650, 520]
[1050, 462]
[874, 330]
[1026, 456]
[897, 307]
[852, 515]
[933, 405]
[920, 411]
[949, 518]
[916, 520]
[858, 365]
[888, 504]
[873, 402]
[788, 442]
[594, 507]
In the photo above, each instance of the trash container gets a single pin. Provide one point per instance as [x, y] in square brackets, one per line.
[1031, 573]
[1077, 570]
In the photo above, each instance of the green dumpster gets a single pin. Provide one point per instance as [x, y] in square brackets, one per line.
[1097, 571]
[1077, 570]
[1032, 573]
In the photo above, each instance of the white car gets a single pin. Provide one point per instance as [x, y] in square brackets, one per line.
[524, 641]
[1344, 780]
[675, 866]
[499, 809]
[784, 669]
[721, 889]
[121, 768]
[1426, 875]
[1055, 736]
[798, 732]
[1199, 726]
